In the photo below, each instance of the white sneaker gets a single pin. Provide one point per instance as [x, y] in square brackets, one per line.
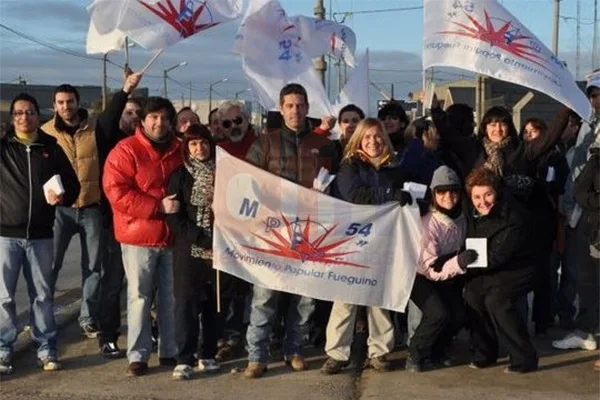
[182, 372]
[575, 340]
[208, 365]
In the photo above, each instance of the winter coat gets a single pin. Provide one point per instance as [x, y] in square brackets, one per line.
[82, 151]
[24, 212]
[190, 274]
[419, 163]
[359, 182]
[511, 252]
[135, 181]
[442, 235]
[587, 189]
[297, 157]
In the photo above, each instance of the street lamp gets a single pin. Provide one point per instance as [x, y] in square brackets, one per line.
[181, 64]
[237, 94]
[210, 89]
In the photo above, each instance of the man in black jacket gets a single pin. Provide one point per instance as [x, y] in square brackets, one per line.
[28, 159]
[117, 122]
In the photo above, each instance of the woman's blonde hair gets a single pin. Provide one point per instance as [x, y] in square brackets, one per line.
[363, 126]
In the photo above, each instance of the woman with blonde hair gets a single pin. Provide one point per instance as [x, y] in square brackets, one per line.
[368, 174]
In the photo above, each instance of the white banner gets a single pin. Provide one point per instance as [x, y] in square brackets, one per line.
[158, 24]
[276, 234]
[98, 43]
[483, 37]
[273, 55]
[321, 36]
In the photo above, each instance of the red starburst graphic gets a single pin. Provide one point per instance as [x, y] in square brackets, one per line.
[184, 19]
[501, 37]
[298, 245]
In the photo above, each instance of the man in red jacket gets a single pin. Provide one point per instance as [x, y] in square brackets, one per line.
[135, 181]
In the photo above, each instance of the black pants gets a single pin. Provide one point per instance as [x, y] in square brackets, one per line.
[111, 283]
[187, 326]
[443, 316]
[233, 302]
[542, 313]
[588, 286]
[493, 314]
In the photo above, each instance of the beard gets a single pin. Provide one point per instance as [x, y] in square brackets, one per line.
[236, 135]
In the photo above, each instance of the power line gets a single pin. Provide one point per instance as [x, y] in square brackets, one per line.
[347, 14]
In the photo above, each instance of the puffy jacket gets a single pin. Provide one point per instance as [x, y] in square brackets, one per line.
[441, 235]
[136, 175]
[24, 212]
[359, 182]
[297, 157]
[82, 151]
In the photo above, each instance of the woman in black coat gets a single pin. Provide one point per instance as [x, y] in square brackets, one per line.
[193, 276]
[493, 294]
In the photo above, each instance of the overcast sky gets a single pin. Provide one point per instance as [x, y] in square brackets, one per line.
[393, 37]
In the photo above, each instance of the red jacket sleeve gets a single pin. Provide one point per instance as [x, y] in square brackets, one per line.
[120, 187]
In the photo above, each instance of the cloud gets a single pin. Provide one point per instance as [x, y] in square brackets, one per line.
[49, 12]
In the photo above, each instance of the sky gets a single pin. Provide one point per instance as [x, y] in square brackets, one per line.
[393, 38]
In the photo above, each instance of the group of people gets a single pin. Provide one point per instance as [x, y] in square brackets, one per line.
[138, 185]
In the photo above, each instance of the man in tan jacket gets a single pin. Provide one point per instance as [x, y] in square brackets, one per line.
[75, 135]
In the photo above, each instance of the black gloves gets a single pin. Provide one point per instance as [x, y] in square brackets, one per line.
[438, 264]
[467, 257]
[403, 197]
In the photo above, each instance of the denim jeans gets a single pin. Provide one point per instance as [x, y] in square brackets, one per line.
[87, 222]
[262, 317]
[147, 268]
[35, 256]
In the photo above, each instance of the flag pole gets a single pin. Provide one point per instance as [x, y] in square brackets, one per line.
[218, 291]
[126, 67]
[152, 61]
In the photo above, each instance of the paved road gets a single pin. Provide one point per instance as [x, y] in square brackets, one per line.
[563, 375]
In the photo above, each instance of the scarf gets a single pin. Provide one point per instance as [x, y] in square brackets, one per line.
[203, 190]
[376, 162]
[495, 160]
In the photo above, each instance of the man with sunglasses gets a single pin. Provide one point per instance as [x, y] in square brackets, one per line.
[235, 126]
[116, 122]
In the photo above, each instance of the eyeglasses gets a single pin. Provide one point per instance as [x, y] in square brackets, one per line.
[227, 123]
[20, 113]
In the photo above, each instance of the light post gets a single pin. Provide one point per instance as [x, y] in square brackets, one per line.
[237, 94]
[165, 76]
[210, 89]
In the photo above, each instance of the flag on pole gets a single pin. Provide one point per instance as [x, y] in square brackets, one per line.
[273, 55]
[483, 37]
[279, 235]
[158, 24]
[356, 90]
[323, 36]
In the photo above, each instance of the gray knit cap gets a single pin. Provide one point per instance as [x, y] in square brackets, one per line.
[444, 178]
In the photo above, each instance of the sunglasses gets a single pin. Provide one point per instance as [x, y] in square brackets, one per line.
[227, 123]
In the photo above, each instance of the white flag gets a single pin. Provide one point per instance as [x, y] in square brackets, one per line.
[483, 37]
[157, 24]
[276, 234]
[273, 55]
[356, 90]
[98, 43]
[323, 36]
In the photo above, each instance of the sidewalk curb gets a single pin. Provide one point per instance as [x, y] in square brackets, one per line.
[65, 312]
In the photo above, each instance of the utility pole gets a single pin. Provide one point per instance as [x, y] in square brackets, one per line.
[190, 105]
[556, 26]
[165, 84]
[320, 65]
[595, 50]
[104, 78]
[578, 48]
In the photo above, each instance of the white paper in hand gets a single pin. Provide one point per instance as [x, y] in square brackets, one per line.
[323, 180]
[416, 190]
[550, 175]
[54, 184]
[480, 246]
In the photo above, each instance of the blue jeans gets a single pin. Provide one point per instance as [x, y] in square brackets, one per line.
[87, 222]
[147, 268]
[35, 256]
[262, 317]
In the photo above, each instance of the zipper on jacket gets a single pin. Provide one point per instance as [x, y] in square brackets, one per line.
[28, 150]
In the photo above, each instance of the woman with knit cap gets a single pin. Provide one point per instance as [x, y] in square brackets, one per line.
[440, 259]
